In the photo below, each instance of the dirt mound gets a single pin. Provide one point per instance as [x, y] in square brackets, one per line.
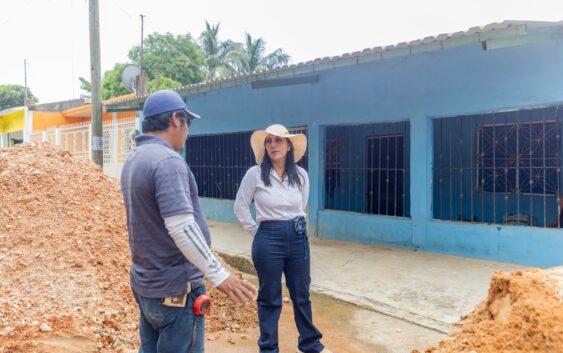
[523, 313]
[64, 258]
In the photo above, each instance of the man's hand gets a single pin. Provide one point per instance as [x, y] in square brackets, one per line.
[238, 290]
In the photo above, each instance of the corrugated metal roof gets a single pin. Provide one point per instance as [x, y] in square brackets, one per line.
[505, 29]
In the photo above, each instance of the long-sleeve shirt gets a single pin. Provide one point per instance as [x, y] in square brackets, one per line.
[277, 202]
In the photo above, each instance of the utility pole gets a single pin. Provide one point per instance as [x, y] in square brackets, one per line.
[141, 81]
[142, 38]
[26, 100]
[97, 143]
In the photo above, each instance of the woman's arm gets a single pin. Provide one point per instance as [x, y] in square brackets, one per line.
[245, 195]
[305, 189]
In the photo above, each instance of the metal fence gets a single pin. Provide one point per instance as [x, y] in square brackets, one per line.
[219, 162]
[36, 136]
[51, 135]
[118, 135]
[75, 138]
[366, 169]
[119, 139]
[501, 168]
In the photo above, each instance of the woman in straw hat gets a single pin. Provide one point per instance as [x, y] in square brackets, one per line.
[279, 189]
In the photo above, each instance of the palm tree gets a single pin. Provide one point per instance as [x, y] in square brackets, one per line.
[249, 57]
[216, 52]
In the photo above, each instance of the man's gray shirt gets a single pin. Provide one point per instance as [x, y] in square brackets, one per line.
[157, 183]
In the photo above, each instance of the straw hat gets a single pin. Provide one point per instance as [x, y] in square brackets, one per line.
[257, 139]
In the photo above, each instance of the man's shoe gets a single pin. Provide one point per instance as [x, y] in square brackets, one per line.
[326, 350]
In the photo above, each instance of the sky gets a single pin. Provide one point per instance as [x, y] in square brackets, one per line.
[53, 35]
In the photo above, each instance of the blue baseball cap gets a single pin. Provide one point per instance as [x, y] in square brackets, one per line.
[166, 101]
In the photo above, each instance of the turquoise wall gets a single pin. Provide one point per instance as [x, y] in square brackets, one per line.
[417, 88]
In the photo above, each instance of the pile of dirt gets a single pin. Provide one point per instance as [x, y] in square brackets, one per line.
[64, 259]
[523, 313]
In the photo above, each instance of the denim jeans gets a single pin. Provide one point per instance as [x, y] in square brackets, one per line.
[278, 248]
[165, 329]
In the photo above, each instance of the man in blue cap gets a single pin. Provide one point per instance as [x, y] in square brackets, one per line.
[168, 233]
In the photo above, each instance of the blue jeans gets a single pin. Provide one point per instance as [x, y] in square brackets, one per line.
[165, 329]
[277, 248]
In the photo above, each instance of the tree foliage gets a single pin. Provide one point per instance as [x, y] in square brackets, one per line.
[250, 56]
[172, 61]
[14, 95]
[111, 83]
[216, 52]
[166, 56]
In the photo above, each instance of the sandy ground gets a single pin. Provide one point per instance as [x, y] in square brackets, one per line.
[346, 329]
[64, 261]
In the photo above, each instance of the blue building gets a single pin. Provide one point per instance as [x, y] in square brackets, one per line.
[449, 144]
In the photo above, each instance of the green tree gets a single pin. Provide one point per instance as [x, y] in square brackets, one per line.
[86, 86]
[216, 52]
[111, 83]
[14, 95]
[250, 56]
[163, 82]
[166, 56]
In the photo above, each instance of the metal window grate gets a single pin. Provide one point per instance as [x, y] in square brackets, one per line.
[366, 169]
[126, 133]
[219, 162]
[119, 139]
[501, 168]
[36, 137]
[304, 162]
[74, 138]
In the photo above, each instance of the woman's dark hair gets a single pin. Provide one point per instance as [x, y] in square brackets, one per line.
[161, 121]
[291, 171]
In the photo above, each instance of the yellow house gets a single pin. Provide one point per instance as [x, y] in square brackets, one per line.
[14, 126]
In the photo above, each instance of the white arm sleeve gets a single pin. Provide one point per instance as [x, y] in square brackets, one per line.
[243, 200]
[188, 238]
[305, 190]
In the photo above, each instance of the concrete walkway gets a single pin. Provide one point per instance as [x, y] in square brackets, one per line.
[428, 289]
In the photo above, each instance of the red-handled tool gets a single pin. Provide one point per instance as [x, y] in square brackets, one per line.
[202, 305]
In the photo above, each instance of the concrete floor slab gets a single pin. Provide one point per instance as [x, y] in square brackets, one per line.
[428, 289]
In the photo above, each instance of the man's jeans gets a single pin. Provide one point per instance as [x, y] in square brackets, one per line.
[166, 329]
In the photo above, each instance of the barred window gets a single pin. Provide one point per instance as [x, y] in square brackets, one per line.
[519, 157]
[219, 162]
[366, 169]
[385, 175]
[499, 168]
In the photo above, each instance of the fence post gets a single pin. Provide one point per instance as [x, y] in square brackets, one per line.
[58, 136]
[90, 142]
[114, 138]
[28, 125]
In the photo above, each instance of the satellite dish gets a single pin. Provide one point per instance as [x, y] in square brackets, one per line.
[129, 76]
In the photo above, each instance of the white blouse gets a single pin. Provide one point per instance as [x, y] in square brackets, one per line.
[278, 202]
